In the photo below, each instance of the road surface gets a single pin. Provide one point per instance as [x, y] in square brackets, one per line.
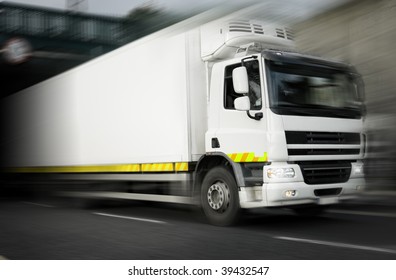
[46, 229]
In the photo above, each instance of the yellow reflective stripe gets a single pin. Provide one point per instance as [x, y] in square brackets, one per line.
[238, 157]
[250, 157]
[264, 158]
[157, 167]
[232, 156]
[79, 169]
[126, 168]
[181, 166]
[247, 157]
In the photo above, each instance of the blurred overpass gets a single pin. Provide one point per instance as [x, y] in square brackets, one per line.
[37, 43]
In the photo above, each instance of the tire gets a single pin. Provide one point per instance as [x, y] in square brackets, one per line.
[220, 198]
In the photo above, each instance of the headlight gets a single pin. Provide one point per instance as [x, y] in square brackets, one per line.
[281, 173]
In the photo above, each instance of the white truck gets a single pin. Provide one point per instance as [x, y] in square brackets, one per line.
[224, 112]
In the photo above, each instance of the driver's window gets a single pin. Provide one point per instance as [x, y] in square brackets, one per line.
[230, 95]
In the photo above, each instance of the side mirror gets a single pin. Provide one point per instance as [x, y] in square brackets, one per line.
[242, 103]
[240, 80]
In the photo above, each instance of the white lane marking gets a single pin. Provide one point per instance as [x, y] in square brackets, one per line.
[38, 204]
[337, 244]
[2, 258]
[363, 213]
[129, 218]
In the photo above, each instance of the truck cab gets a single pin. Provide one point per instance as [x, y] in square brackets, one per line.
[289, 126]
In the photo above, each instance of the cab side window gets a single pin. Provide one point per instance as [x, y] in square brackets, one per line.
[254, 94]
[229, 93]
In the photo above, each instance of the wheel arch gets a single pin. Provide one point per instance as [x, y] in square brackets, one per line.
[209, 161]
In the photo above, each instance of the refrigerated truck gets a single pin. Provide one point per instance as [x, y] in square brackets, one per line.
[226, 111]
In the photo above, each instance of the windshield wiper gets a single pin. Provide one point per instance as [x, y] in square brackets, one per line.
[292, 108]
[287, 104]
[317, 110]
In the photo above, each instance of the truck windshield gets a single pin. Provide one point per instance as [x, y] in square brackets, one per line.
[310, 90]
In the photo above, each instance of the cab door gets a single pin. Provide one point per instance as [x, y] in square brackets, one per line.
[233, 132]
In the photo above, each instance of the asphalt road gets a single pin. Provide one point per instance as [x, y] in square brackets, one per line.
[46, 229]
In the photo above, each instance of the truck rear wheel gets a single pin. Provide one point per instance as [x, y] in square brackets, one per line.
[219, 197]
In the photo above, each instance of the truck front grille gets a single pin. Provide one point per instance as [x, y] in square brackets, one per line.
[307, 143]
[317, 137]
[315, 152]
[325, 172]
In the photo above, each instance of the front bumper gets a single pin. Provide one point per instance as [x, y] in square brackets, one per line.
[278, 192]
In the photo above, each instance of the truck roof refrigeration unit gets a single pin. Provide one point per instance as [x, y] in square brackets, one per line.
[223, 114]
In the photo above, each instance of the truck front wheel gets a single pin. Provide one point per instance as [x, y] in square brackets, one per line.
[219, 197]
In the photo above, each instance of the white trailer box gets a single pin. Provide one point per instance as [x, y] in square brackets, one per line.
[130, 106]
